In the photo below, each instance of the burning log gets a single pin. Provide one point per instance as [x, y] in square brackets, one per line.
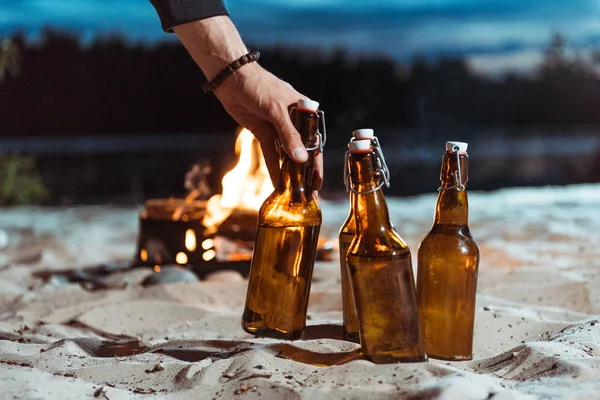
[174, 209]
[240, 225]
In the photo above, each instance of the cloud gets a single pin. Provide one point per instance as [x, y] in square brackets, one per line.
[399, 28]
[408, 27]
[499, 63]
[131, 17]
[415, 9]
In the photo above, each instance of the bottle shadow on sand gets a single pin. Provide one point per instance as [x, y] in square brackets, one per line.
[197, 350]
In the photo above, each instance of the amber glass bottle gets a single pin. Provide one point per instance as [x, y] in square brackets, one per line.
[347, 232]
[380, 269]
[346, 235]
[448, 260]
[284, 254]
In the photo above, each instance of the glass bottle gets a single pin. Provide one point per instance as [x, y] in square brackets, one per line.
[380, 268]
[289, 221]
[346, 234]
[448, 261]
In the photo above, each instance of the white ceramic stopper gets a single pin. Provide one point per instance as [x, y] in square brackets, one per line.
[359, 145]
[363, 133]
[462, 146]
[308, 104]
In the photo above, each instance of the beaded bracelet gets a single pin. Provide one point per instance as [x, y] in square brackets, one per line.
[228, 70]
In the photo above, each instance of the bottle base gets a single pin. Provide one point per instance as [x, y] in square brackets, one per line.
[387, 359]
[263, 331]
[450, 358]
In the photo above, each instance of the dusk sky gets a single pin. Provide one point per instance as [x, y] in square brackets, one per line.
[493, 35]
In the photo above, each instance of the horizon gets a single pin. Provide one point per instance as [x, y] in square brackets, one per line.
[494, 36]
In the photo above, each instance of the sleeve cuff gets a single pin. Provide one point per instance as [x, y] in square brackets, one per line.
[177, 12]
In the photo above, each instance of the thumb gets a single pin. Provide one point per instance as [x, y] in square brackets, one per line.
[288, 135]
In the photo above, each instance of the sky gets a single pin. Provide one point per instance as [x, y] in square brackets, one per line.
[493, 35]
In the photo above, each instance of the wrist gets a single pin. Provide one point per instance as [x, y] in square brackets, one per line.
[213, 43]
[229, 70]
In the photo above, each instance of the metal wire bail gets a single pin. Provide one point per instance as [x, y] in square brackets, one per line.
[294, 108]
[459, 186]
[366, 191]
[381, 161]
[346, 171]
[381, 172]
[322, 137]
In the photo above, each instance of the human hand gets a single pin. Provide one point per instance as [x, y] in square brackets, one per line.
[260, 102]
[254, 97]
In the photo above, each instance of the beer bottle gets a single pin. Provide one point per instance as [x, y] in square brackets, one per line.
[380, 267]
[448, 260]
[347, 232]
[289, 221]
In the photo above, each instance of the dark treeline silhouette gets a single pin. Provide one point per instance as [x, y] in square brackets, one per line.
[60, 86]
[63, 87]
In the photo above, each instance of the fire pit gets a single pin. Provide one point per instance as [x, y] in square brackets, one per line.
[186, 241]
[214, 234]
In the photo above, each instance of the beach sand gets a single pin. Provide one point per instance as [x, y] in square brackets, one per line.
[537, 326]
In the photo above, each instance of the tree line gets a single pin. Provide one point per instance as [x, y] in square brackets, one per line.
[62, 86]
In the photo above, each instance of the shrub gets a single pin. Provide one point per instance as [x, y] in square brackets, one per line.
[20, 183]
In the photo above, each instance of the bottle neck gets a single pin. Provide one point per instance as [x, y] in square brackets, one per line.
[298, 177]
[370, 208]
[452, 206]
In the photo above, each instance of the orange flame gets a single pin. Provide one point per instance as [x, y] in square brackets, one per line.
[246, 186]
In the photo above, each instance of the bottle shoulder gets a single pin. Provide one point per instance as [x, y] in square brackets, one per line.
[383, 244]
[349, 225]
[280, 210]
[444, 238]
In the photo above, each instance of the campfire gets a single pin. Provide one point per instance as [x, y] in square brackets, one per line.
[245, 187]
[212, 234]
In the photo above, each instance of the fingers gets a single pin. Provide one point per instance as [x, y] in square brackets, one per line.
[288, 135]
[271, 160]
[293, 146]
[317, 182]
[267, 137]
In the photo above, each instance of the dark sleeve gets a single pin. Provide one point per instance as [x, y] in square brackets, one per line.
[177, 12]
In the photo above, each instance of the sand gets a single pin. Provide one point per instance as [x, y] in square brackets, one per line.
[537, 325]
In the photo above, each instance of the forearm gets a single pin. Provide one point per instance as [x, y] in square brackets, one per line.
[213, 43]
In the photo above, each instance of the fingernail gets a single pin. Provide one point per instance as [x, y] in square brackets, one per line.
[300, 154]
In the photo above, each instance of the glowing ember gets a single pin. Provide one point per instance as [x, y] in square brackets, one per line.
[144, 255]
[208, 244]
[181, 258]
[246, 186]
[209, 255]
[190, 240]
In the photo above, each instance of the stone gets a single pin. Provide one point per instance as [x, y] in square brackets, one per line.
[170, 274]
[224, 276]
